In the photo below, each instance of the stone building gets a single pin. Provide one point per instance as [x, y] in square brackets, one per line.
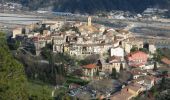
[130, 42]
[17, 31]
[90, 70]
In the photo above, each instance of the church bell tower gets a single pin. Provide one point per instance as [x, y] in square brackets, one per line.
[89, 21]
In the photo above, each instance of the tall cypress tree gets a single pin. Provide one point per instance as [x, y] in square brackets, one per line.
[121, 67]
[155, 66]
[114, 73]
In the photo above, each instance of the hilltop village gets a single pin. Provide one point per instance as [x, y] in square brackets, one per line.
[117, 64]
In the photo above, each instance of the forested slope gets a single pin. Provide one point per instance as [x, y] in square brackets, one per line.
[90, 6]
[14, 84]
[12, 77]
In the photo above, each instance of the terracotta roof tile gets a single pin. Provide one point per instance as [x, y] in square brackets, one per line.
[90, 66]
[130, 54]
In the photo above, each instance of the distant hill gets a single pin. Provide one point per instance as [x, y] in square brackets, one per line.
[91, 6]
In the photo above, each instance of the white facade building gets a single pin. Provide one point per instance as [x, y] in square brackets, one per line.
[117, 52]
[17, 31]
[148, 67]
[152, 48]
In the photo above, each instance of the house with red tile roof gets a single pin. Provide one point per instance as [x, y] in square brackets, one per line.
[137, 58]
[90, 69]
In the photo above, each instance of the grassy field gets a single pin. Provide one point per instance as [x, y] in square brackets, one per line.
[39, 90]
[72, 79]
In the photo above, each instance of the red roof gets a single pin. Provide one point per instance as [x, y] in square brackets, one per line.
[137, 58]
[90, 66]
[135, 53]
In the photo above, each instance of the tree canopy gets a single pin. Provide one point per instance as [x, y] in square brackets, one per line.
[13, 81]
[12, 77]
[114, 73]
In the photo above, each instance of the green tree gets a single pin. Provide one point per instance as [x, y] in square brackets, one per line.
[13, 83]
[158, 55]
[155, 66]
[164, 74]
[144, 50]
[133, 49]
[114, 73]
[154, 90]
[89, 59]
[46, 51]
[97, 72]
[13, 44]
[121, 67]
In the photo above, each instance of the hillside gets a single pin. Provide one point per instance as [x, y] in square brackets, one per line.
[90, 6]
[14, 84]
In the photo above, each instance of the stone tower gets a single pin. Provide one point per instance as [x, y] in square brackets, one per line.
[89, 21]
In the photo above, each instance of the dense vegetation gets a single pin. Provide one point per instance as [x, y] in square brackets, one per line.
[89, 6]
[52, 68]
[13, 81]
[12, 78]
